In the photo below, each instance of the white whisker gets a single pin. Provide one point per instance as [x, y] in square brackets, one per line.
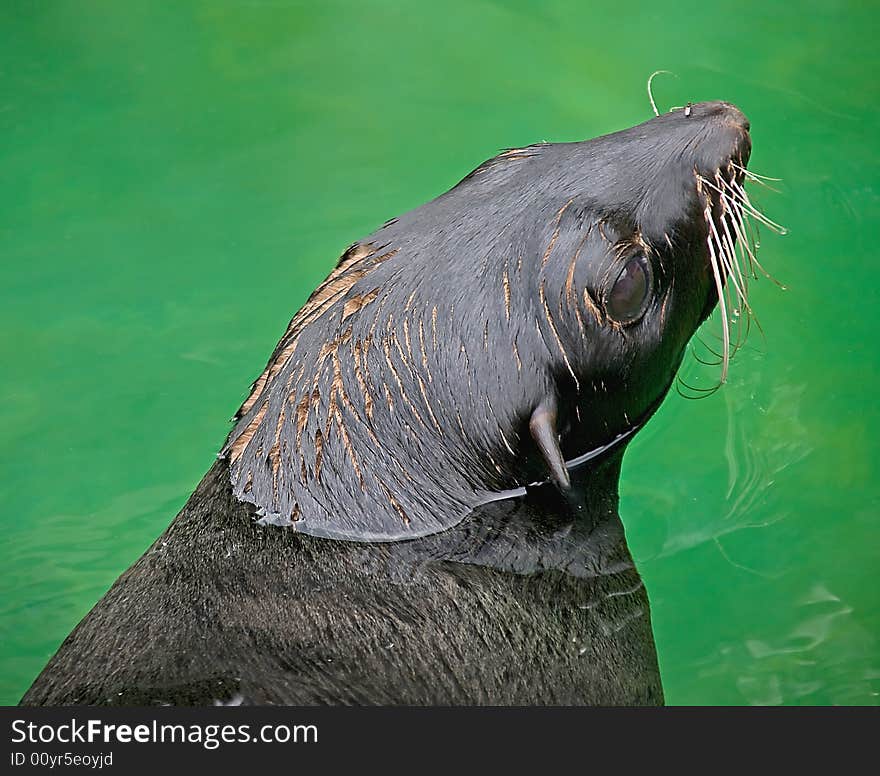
[650, 93]
[752, 242]
[743, 240]
[753, 211]
[733, 240]
[733, 266]
[753, 175]
[719, 287]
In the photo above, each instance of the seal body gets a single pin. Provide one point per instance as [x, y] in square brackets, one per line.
[418, 501]
[503, 610]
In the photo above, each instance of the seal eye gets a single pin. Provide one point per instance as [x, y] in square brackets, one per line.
[631, 292]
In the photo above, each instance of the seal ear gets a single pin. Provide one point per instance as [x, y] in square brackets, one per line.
[542, 425]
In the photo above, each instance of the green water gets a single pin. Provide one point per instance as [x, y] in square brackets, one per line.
[175, 177]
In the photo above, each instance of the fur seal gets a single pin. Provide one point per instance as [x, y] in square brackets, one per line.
[418, 501]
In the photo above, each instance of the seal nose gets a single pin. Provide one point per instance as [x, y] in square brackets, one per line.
[728, 113]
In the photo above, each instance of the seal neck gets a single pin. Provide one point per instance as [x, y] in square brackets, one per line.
[535, 532]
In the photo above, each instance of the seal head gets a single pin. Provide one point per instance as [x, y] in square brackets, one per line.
[493, 338]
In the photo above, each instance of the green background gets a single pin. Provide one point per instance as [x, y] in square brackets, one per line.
[175, 177]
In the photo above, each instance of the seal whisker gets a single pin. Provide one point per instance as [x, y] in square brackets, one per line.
[743, 239]
[742, 227]
[753, 175]
[733, 265]
[706, 362]
[734, 348]
[702, 393]
[737, 304]
[748, 258]
[733, 226]
[751, 242]
[719, 287]
[650, 91]
[758, 181]
[746, 203]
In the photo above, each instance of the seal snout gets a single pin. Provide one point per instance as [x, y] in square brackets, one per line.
[718, 110]
[732, 119]
[728, 113]
[723, 136]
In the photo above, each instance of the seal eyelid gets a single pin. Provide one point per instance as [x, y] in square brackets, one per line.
[629, 296]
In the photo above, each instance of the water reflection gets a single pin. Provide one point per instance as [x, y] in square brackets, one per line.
[763, 436]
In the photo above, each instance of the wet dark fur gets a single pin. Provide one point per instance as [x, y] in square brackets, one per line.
[395, 406]
[218, 610]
